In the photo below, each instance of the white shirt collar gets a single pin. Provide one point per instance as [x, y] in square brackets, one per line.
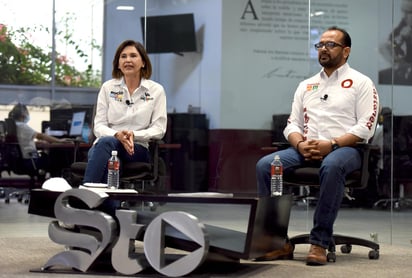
[337, 72]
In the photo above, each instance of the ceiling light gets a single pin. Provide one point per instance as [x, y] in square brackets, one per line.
[125, 8]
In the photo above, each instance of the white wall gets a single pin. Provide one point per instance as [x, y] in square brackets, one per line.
[119, 25]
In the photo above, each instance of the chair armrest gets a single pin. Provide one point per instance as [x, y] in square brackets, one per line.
[367, 149]
[368, 146]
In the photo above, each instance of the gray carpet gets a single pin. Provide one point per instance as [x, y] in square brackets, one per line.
[20, 255]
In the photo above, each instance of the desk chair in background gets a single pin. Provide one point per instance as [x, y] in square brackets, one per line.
[396, 161]
[13, 163]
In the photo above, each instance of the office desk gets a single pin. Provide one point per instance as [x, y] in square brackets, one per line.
[70, 147]
[62, 155]
[64, 145]
[170, 146]
[263, 227]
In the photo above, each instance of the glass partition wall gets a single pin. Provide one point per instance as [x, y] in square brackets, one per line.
[247, 61]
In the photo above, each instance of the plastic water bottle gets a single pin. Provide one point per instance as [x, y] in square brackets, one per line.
[276, 179]
[113, 171]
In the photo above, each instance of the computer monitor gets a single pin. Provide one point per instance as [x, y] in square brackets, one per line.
[169, 33]
[76, 126]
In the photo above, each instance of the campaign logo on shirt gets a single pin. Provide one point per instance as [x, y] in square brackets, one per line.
[347, 83]
[117, 96]
[146, 97]
[312, 87]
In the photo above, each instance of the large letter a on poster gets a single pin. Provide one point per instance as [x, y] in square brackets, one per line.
[249, 9]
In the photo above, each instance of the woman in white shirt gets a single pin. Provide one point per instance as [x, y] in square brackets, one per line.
[130, 111]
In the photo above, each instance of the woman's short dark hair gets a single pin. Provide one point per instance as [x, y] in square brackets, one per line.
[18, 111]
[146, 72]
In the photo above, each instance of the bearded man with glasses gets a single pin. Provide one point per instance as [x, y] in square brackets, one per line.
[331, 112]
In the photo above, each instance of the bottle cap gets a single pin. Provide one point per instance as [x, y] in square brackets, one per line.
[114, 152]
[277, 156]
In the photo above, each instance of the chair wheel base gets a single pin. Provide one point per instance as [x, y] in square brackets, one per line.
[346, 243]
[346, 249]
[373, 254]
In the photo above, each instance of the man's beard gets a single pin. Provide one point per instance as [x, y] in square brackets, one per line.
[328, 63]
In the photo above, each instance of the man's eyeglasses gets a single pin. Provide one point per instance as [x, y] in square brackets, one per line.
[328, 45]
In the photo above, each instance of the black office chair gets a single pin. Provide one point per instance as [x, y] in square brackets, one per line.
[308, 176]
[13, 162]
[397, 162]
[145, 177]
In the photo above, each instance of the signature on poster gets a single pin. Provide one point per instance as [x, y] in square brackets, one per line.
[283, 73]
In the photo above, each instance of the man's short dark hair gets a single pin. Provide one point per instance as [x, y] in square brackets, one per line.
[347, 41]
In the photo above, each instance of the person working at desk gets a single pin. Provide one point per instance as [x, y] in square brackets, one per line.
[331, 111]
[130, 111]
[26, 137]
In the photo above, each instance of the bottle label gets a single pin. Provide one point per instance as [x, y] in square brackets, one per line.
[276, 170]
[113, 165]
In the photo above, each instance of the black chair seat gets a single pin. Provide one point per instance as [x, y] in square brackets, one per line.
[137, 170]
[131, 169]
[78, 167]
